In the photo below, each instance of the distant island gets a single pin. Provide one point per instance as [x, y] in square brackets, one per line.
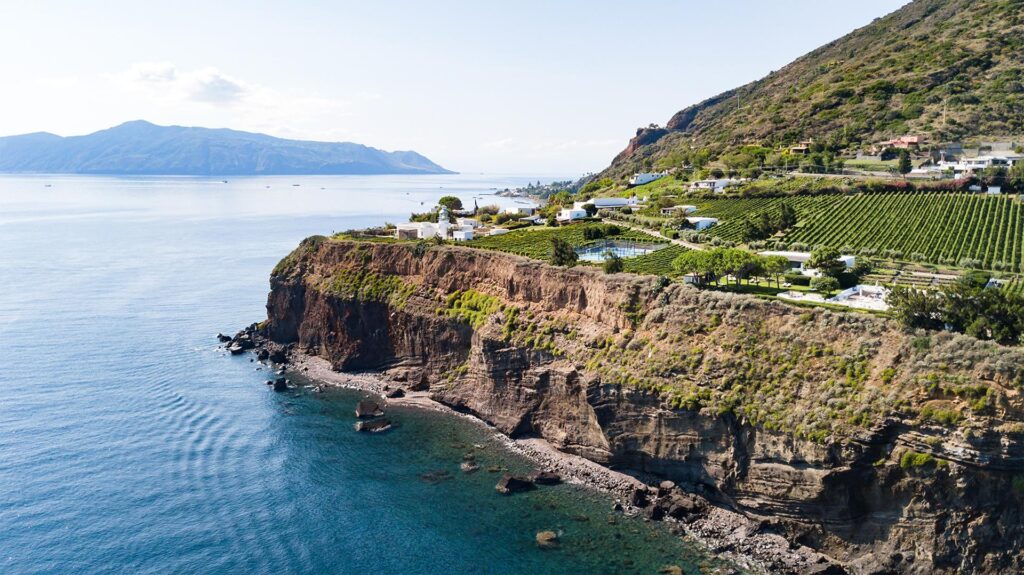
[143, 148]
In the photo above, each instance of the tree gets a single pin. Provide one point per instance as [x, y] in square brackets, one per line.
[825, 285]
[562, 253]
[905, 165]
[787, 216]
[826, 261]
[776, 266]
[591, 209]
[613, 263]
[696, 262]
[552, 220]
[1015, 178]
[451, 202]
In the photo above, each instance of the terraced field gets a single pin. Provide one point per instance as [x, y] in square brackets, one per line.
[733, 212]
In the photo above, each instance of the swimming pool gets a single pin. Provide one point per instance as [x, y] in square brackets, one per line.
[624, 249]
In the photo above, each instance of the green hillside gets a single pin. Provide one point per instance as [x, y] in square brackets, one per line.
[951, 70]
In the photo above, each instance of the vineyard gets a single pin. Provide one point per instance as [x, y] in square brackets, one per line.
[658, 263]
[970, 230]
[967, 230]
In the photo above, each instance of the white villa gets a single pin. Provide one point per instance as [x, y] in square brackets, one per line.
[713, 185]
[970, 165]
[467, 223]
[571, 214]
[463, 235]
[520, 210]
[798, 261]
[671, 211]
[641, 178]
[701, 224]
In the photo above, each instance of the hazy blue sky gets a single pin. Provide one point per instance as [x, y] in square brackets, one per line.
[523, 86]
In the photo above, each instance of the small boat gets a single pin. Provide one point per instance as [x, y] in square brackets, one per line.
[48, 185]
[223, 181]
[295, 185]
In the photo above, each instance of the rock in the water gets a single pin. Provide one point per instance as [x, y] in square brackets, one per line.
[262, 354]
[546, 478]
[367, 408]
[509, 484]
[236, 349]
[469, 467]
[223, 338]
[395, 393]
[374, 425]
[547, 540]
[666, 487]
[671, 570]
[280, 384]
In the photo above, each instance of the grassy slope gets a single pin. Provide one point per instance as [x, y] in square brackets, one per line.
[953, 69]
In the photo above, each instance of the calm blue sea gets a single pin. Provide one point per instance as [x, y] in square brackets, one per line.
[130, 444]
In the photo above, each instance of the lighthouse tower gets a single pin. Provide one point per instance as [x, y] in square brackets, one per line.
[443, 222]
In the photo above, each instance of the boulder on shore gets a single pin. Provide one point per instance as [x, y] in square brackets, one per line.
[236, 349]
[509, 484]
[366, 409]
[546, 478]
[223, 338]
[374, 425]
[280, 384]
[395, 393]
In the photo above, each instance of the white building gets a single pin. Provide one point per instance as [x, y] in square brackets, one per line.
[979, 163]
[425, 230]
[798, 261]
[520, 210]
[570, 214]
[641, 178]
[463, 235]
[467, 223]
[701, 224]
[676, 210]
[534, 219]
[713, 185]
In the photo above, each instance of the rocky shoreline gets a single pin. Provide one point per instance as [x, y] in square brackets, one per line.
[752, 545]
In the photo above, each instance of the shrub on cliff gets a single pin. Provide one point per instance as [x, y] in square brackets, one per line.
[562, 253]
[613, 263]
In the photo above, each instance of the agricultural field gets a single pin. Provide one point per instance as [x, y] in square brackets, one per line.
[536, 242]
[940, 228]
[658, 263]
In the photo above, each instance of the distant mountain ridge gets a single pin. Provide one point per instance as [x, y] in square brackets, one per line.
[143, 148]
[949, 70]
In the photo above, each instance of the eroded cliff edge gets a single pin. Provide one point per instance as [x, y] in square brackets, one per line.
[891, 452]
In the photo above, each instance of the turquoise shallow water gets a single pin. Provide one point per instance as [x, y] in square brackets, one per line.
[130, 444]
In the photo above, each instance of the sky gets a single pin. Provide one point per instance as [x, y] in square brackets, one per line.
[522, 87]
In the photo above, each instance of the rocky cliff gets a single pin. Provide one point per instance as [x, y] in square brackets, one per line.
[890, 452]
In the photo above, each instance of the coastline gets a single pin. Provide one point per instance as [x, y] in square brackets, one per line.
[747, 543]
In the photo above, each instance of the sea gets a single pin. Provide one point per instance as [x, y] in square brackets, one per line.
[131, 444]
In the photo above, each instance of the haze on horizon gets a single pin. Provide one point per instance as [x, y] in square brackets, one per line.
[528, 87]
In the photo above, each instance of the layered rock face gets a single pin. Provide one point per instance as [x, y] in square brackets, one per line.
[891, 452]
